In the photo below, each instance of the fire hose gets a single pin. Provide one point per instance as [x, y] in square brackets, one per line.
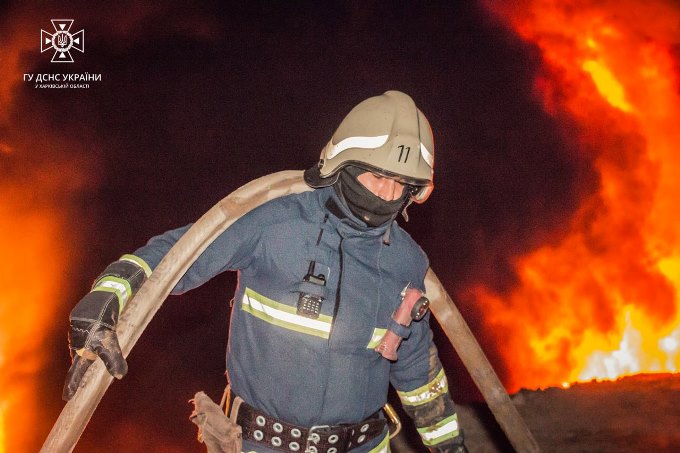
[141, 309]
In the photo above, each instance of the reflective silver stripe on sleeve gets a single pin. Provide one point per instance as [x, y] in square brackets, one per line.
[120, 287]
[440, 432]
[426, 393]
[139, 262]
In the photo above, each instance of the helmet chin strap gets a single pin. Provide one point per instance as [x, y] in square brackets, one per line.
[410, 192]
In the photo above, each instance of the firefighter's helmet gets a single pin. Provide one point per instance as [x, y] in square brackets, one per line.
[385, 134]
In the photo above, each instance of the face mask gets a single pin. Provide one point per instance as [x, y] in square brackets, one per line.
[362, 202]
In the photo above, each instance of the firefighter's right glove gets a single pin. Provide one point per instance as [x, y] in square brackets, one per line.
[94, 319]
[93, 335]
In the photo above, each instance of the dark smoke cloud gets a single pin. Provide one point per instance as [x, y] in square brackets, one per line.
[196, 101]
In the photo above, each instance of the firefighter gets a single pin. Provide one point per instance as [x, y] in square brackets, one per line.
[320, 275]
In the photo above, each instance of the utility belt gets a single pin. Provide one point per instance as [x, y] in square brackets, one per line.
[279, 435]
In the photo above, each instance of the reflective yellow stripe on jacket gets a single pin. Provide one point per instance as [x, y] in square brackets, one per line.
[378, 335]
[284, 316]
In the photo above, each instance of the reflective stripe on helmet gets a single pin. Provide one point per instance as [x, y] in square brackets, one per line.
[427, 155]
[356, 142]
[284, 316]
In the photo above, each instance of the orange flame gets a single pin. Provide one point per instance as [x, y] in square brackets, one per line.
[17, 327]
[27, 238]
[603, 302]
[36, 238]
[37, 182]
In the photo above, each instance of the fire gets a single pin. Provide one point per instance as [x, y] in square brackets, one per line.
[27, 238]
[38, 180]
[38, 241]
[3, 437]
[606, 84]
[602, 302]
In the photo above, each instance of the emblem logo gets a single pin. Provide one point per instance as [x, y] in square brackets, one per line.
[62, 41]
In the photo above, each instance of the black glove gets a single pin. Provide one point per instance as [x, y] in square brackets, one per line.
[93, 323]
[92, 335]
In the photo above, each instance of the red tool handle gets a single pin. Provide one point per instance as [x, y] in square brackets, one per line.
[413, 307]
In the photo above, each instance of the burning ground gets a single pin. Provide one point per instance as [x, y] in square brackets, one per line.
[552, 224]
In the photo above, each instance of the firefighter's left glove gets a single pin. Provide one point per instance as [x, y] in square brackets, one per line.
[93, 323]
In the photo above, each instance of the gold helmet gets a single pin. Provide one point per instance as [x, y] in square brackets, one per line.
[385, 134]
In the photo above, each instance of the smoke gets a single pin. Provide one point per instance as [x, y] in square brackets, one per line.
[51, 161]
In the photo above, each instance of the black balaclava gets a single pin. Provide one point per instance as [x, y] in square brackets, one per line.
[362, 202]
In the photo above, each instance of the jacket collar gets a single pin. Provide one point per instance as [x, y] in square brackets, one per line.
[347, 222]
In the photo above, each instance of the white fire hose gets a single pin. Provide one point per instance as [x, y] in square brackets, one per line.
[139, 311]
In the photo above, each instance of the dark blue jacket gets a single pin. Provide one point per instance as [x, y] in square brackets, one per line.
[324, 371]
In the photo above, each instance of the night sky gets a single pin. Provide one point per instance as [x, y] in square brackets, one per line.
[197, 100]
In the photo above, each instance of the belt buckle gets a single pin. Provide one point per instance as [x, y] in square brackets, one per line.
[314, 437]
